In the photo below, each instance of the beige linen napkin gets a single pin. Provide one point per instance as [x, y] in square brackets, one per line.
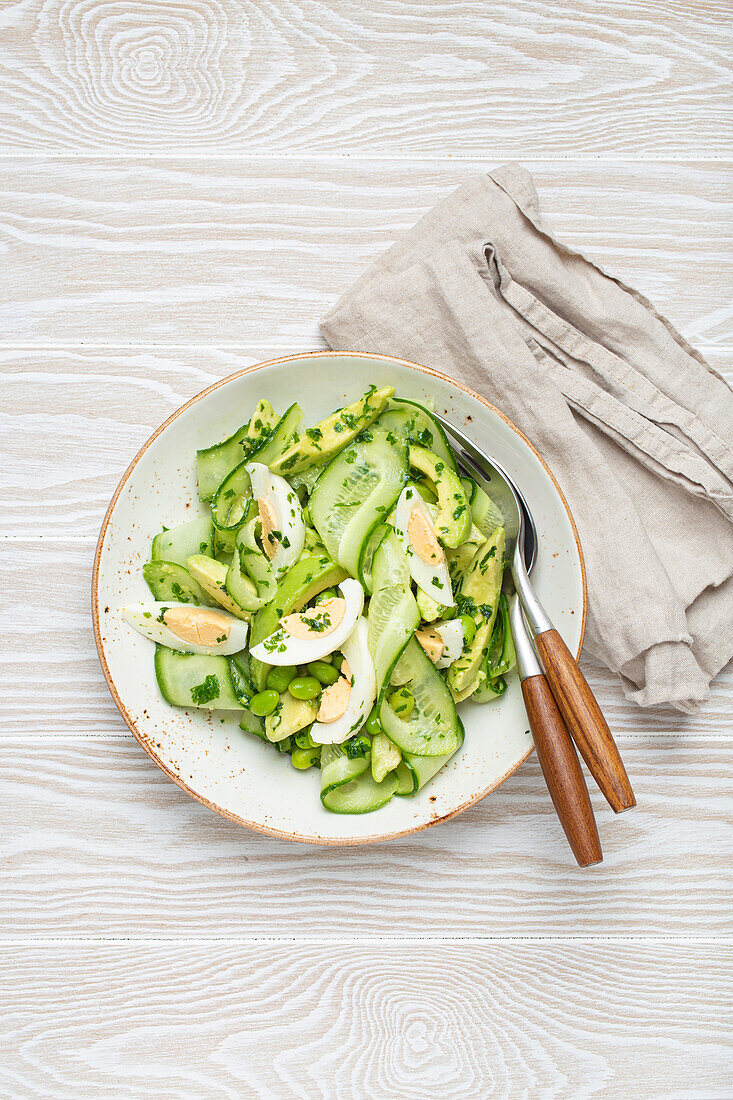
[635, 425]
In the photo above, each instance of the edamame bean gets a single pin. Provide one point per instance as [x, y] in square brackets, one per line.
[373, 725]
[325, 674]
[264, 703]
[304, 687]
[402, 702]
[302, 759]
[279, 678]
[304, 740]
[469, 629]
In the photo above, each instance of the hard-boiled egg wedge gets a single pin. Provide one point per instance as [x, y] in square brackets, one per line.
[443, 642]
[425, 556]
[345, 705]
[187, 628]
[283, 527]
[315, 632]
[453, 636]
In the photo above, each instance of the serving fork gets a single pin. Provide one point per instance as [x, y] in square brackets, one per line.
[558, 699]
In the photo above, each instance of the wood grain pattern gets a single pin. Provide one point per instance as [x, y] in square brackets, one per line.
[585, 720]
[379, 1020]
[561, 770]
[185, 188]
[425, 77]
[254, 251]
[50, 652]
[96, 841]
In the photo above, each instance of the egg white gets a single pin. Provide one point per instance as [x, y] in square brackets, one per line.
[452, 635]
[434, 580]
[287, 509]
[363, 691]
[144, 618]
[282, 648]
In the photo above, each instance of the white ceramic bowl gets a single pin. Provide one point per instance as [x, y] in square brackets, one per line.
[209, 757]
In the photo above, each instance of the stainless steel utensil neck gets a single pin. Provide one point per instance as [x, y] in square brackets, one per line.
[527, 660]
[534, 612]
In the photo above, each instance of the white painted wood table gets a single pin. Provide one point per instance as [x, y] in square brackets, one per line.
[184, 189]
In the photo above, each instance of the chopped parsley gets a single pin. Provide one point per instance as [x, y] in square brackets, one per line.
[180, 593]
[205, 692]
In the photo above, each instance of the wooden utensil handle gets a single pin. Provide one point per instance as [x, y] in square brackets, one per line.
[562, 771]
[585, 721]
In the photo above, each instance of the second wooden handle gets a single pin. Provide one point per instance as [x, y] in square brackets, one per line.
[585, 720]
[562, 771]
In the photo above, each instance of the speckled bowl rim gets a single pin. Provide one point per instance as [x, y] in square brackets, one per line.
[376, 838]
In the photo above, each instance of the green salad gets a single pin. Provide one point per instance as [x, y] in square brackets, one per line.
[342, 594]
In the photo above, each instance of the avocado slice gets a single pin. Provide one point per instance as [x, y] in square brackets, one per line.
[212, 576]
[168, 580]
[427, 606]
[453, 522]
[319, 444]
[461, 557]
[478, 596]
[290, 716]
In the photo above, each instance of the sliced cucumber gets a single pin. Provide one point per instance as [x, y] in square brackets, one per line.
[433, 728]
[284, 433]
[393, 612]
[168, 580]
[250, 577]
[241, 662]
[250, 723]
[487, 515]
[191, 680]
[415, 771]
[347, 787]
[339, 766]
[179, 543]
[229, 505]
[215, 462]
[306, 479]
[413, 423]
[385, 757]
[354, 494]
[390, 564]
[406, 779]
[365, 566]
[361, 795]
[470, 487]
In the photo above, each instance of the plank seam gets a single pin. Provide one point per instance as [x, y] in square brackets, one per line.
[712, 941]
[397, 158]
